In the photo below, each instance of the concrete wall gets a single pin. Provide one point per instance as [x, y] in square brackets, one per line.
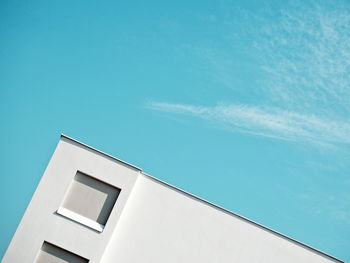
[161, 224]
[90, 207]
[53, 254]
[42, 222]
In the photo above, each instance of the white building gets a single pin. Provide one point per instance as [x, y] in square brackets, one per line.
[92, 207]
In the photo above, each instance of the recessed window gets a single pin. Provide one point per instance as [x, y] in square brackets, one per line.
[89, 201]
[52, 254]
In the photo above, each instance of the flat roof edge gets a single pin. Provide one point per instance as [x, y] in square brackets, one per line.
[243, 218]
[100, 152]
[202, 200]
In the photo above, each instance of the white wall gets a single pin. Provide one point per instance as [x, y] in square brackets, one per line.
[162, 225]
[150, 222]
[42, 223]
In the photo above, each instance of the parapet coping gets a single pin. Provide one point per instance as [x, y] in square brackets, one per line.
[203, 200]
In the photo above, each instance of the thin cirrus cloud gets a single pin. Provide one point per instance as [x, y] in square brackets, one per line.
[304, 58]
[268, 122]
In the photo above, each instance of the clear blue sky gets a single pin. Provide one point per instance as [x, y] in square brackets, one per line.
[243, 103]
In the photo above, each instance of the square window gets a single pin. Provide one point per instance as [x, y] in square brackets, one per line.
[89, 201]
[52, 254]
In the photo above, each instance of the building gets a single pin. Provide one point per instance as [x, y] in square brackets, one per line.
[92, 207]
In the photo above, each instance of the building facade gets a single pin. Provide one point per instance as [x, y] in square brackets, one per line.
[92, 207]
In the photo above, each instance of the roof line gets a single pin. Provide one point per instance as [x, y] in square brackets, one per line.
[203, 200]
[243, 218]
[100, 152]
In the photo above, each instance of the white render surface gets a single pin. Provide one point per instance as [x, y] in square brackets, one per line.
[54, 254]
[164, 225]
[151, 222]
[42, 223]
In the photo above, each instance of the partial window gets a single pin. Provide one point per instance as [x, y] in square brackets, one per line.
[52, 254]
[89, 201]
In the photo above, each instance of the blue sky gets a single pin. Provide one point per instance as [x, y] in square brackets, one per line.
[243, 103]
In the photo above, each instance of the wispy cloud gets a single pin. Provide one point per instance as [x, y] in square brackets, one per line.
[266, 121]
[304, 57]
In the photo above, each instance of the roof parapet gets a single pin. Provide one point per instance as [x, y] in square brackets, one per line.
[100, 152]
